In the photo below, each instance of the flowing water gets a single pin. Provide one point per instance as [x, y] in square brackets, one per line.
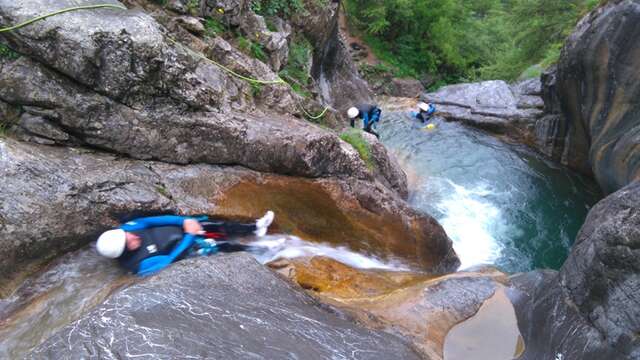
[501, 204]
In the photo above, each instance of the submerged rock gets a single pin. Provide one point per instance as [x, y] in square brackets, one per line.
[56, 199]
[421, 308]
[219, 307]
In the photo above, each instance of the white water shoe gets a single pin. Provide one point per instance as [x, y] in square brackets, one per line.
[263, 223]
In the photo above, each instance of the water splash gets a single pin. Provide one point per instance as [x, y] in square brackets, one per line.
[470, 220]
[273, 247]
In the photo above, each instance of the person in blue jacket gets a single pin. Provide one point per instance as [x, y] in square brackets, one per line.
[149, 244]
[370, 115]
[425, 112]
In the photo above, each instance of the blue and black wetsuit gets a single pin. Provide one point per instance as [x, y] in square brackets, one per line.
[370, 115]
[425, 116]
[164, 235]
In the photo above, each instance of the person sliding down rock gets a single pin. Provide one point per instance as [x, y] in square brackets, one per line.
[149, 244]
[425, 112]
[370, 115]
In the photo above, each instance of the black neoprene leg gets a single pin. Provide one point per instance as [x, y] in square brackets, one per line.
[370, 131]
[228, 228]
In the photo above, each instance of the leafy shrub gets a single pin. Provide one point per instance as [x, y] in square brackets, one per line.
[213, 27]
[250, 48]
[296, 71]
[192, 6]
[282, 8]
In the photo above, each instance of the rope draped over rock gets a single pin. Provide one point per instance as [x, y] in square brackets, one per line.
[279, 80]
[66, 10]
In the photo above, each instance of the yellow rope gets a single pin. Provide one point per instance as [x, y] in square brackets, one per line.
[248, 79]
[192, 52]
[203, 57]
[75, 8]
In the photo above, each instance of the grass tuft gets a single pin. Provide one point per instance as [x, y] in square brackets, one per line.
[355, 138]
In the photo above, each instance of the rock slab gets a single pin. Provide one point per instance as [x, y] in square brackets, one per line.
[494, 106]
[595, 294]
[224, 307]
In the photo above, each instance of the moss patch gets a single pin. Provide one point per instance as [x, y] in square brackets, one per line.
[355, 138]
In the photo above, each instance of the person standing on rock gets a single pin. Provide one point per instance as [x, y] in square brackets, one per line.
[370, 115]
[425, 111]
[149, 244]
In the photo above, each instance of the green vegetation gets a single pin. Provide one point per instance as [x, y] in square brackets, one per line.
[213, 27]
[256, 89]
[162, 190]
[192, 6]
[461, 40]
[355, 138]
[7, 53]
[296, 72]
[270, 24]
[8, 118]
[282, 8]
[250, 48]
[3, 128]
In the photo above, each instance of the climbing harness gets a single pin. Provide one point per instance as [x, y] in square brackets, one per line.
[187, 49]
[205, 246]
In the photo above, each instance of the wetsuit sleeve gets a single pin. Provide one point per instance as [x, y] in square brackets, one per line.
[153, 221]
[156, 263]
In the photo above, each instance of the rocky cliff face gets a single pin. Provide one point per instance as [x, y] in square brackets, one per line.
[589, 309]
[333, 68]
[595, 89]
[594, 126]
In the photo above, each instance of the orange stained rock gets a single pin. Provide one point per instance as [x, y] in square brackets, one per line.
[354, 214]
[406, 302]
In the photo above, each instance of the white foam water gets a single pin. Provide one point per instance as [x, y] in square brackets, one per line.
[471, 221]
[273, 247]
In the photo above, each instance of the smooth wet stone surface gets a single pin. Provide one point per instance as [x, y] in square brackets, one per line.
[221, 307]
[68, 288]
[492, 333]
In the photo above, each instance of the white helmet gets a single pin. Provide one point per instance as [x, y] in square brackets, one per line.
[111, 243]
[353, 112]
[423, 106]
